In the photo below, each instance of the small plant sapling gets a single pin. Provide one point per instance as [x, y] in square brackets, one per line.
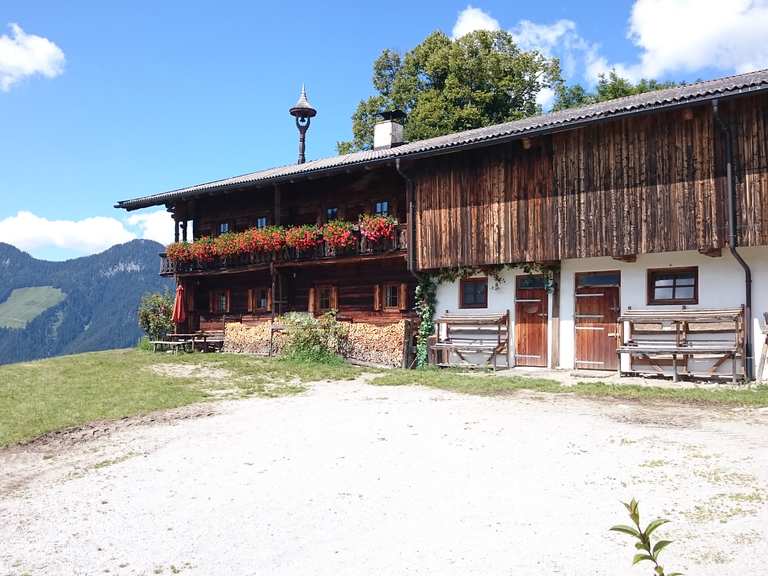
[647, 550]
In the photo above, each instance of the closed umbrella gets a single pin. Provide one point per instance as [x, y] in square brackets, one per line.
[179, 310]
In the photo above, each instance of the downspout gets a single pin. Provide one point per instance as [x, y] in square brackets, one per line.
[733, 240]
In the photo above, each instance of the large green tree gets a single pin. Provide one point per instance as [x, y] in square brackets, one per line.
[609, 86]
[447, 85]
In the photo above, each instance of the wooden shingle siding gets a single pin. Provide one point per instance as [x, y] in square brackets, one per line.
[644, 184]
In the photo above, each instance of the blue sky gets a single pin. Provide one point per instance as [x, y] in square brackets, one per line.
[101, 101]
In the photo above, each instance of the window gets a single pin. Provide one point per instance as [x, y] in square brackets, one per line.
[260, 299]
[531, 282]
[331, 214]
[261, 222]
[392, 296]
[382, 208]
[223, 227]
[598, 279]
[673, 286]
[324, 298]
[220, 301]
[473, 293]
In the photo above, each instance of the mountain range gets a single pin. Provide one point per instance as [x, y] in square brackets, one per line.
[80, 305]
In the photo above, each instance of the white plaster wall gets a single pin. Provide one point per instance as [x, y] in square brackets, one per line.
[721, 285]
[500, 299]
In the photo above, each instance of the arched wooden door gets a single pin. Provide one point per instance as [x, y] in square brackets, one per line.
[531, 305]
[597, 310]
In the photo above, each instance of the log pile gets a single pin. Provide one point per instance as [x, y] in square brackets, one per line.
[251, 339]
[377, 344]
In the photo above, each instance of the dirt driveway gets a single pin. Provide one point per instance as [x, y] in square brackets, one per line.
[354, 479]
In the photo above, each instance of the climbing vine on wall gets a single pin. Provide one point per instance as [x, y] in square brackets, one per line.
[425, 310]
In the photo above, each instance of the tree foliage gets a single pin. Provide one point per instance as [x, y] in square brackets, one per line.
[156, 314]
[446, 85]
[608, 87]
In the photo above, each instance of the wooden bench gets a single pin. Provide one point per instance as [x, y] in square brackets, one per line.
[171, 345]
[485, 335]
[680, 338]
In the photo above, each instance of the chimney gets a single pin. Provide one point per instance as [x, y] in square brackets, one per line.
[388, 132]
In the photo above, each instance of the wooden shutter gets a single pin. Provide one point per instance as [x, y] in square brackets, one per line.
[269, 299]
[189, 293]
[229, 299]
[251, 300]
[211, 296]
[312, 306]
[334, 298]
[403, 296]
[377, 297]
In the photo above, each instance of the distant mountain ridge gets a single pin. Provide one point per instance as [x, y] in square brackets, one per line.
[98, 311]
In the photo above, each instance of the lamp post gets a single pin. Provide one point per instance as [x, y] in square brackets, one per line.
[303, 111]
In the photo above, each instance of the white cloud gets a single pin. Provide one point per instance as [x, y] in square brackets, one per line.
[29, 232]
[545, 98]
[157, 226]
[673, 37]
[689, 35]
[23, 55]
[33, 233]
[471, 19]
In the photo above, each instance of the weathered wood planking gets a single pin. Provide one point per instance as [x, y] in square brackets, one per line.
[644, 184]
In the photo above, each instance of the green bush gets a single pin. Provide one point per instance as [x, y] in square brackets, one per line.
[143, 344]
[156, 314]
[310, 339]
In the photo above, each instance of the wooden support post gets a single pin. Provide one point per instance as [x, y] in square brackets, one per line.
[184, 230]
[277, 206]
[175, 230]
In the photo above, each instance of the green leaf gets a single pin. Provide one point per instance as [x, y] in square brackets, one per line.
[641, 557]
[626, 530]
[655, 524]
[660, 545]
[676, 574]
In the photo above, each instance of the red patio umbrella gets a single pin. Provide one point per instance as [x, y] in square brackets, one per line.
[179, 310]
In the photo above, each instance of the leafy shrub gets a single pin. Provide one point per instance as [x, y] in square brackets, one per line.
[647, 550]
[311, 339]
[143, 344]
[156, 314]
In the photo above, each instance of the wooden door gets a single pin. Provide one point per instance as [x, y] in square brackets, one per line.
[597, 310]
[531, 305]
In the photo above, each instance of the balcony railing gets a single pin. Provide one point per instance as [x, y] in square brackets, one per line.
[362, 247]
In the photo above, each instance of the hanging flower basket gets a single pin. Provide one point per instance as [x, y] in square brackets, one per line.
[339, 236]
[179, 253]
[303, 237]
[376, 229]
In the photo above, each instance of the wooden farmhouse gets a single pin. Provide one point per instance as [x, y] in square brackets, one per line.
[630, 234]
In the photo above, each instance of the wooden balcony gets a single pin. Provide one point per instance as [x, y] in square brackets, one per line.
[290, 256]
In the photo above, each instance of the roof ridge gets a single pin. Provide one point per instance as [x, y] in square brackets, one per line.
[634, 103]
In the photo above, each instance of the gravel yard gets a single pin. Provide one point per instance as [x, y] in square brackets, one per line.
[354, 479]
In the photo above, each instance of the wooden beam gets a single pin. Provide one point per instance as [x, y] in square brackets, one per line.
[711, 251]
[626, 258]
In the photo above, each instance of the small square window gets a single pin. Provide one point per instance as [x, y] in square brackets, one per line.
[473, 293]
[382, 208]
[261, 298]
[331, 214]
[392, 296]
[261, 222]
[223, 227]
[673, 286]
[324, 298]
[219, 302]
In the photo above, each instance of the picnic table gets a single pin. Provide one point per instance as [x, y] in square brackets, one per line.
[189, 342]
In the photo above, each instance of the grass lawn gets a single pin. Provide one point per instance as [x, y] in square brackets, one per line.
[39, 397]
[26, 304]
[475, 383]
